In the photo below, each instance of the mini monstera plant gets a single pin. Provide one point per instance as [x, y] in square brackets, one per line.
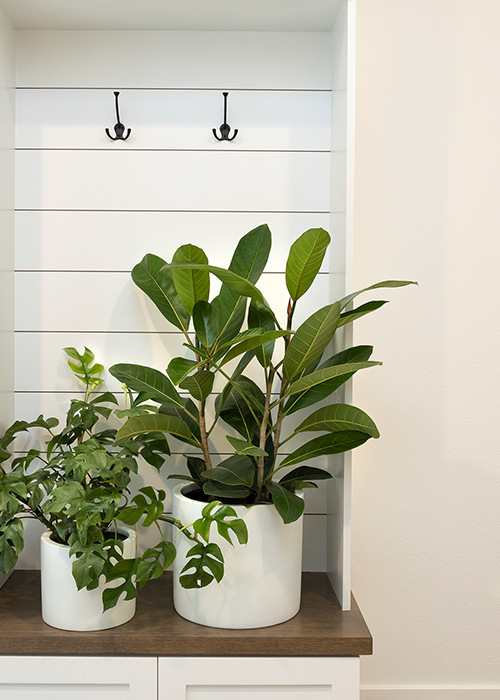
[79, 487]
[299, 372]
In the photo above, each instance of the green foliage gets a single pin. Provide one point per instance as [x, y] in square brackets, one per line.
[79, 486]
[298, 372]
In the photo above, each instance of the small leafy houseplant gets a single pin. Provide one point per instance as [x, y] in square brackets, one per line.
[78, 487]
[299, 372]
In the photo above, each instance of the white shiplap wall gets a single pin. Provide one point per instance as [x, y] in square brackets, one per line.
[88, 209]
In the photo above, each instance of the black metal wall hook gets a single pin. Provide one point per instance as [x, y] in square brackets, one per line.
[225, 128]
[119, 128]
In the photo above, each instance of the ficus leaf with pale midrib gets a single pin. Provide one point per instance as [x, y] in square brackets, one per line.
[331, 444]
[191, 285]
[237, 470]
[158, 285]
[304, 261]
[311, 339]
[139, 378]
[157, 422]
[338, 417]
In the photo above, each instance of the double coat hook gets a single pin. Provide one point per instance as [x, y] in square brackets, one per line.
[119, 128]
[225, 128]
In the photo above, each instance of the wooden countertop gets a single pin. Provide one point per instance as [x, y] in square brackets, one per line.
[319, 629]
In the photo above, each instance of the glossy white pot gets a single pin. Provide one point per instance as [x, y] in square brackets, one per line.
[67, 608]
[262, 580]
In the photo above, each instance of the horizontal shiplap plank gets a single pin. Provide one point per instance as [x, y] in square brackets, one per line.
[173, 119]
[174, 59]
[46, 240]
[155, 180]
[110, 302]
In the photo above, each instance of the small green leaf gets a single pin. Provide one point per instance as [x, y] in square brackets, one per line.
[289, 506]
[199, 384]
[385, 285]
[179, 368]
[243, 447]
[207, 562]
[350, 316]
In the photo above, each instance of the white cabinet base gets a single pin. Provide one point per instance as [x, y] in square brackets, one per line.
[77, 678]
[248, 678]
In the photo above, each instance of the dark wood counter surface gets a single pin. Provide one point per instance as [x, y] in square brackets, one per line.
[319, 629]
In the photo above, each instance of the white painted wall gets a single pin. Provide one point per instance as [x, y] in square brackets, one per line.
[7, 101]
[426, 515]
[171, 183]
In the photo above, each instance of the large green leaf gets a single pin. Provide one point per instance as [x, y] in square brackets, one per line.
[295, 479]
[158, 284]
[238, 493]
[320, 376]
[188, 413]
[243, 408]
[359, 353]
[339, 417]
[237, 284]
[310, 340]
[248, 261]
[380, 285]
[139, 378]
[157, 422]
[199, 384]
[205, 323]
[238, 371]
[191, 285]
[229, 309]
[289, 506]
[331, 444]
[251, 254]
[260, 317]
[237, 470]
[257, 341]
[304, 261]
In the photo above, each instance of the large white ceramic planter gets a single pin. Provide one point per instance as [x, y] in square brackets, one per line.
[67, 608]
[262, 580]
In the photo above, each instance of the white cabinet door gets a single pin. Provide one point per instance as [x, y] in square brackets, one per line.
[77, 678]
[258, 678]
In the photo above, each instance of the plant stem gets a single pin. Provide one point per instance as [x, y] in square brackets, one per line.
[204, 436]
[262, 438]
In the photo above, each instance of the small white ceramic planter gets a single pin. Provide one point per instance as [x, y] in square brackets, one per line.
[262, 580]
[67, 608]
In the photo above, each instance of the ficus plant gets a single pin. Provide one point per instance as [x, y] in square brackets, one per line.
[78, 487]
[299, 371]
